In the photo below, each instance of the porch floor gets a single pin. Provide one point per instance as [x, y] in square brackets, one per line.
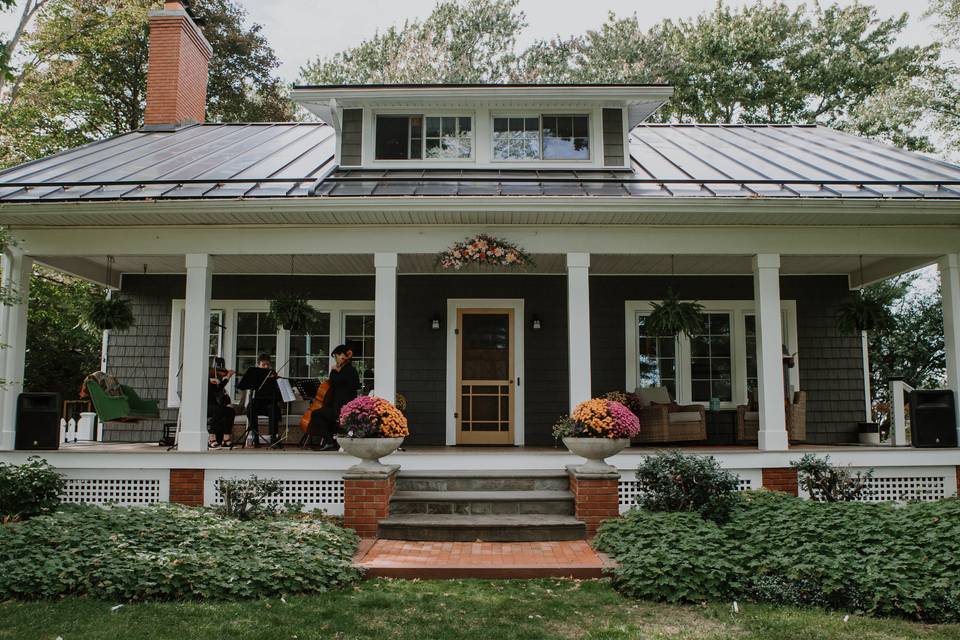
[484, 560]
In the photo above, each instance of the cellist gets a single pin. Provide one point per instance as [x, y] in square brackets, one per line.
[344, 383]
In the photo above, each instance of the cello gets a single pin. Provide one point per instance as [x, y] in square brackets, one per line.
[319, 400]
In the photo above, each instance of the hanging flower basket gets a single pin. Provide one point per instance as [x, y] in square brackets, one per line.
[109, 314]
[293, 312]
[483, 250]
[673, 317]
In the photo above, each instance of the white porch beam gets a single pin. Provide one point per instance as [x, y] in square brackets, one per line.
[766, 287]
[950, 289]
[535, 238]
[578, 327]
[887, 268]
[385, 335]
[17, 269]
[196, 337]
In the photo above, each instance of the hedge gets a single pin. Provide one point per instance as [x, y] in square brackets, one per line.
[877, 559]
[165, 552]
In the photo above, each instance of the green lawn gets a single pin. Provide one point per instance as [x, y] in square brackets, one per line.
[460, 610]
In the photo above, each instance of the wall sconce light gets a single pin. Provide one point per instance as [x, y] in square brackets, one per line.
[435, 322]
[535, 322]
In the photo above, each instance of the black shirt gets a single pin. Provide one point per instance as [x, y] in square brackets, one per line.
[343, 385]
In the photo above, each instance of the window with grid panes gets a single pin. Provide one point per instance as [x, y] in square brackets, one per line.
[566, 137]
[358, 335]
[448, 137]
[711, 360]
[310, 352]
[750, 335]
[516, 138]
[656, 360]
[256, 334]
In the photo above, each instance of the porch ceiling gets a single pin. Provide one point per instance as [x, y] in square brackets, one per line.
[874, 267]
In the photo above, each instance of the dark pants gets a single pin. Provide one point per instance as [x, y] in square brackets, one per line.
[265, 407]
[323, 425]
[220, 420]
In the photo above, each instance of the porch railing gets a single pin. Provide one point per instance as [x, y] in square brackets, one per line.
[898, 412]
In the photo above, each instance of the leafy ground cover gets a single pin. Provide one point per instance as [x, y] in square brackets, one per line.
[879, 559]
[165, 551]
[447, 610]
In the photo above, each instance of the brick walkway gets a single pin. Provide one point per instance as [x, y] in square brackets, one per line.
[442, 560]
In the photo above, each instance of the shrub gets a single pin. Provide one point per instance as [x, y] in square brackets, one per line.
[29, 489]
[246, 498]
[827, 483]
[165, 552]
[675, 481]
[878, 559]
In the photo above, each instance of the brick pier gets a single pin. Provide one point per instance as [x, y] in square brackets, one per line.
[780, 479]
[186, 487]
[596, 497]
[366, 499]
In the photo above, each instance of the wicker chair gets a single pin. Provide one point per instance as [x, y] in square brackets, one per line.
[748, 422]
[662, 420]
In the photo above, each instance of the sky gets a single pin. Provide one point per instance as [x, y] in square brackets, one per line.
[300, 30]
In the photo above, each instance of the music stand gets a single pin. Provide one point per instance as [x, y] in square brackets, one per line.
[254, 381]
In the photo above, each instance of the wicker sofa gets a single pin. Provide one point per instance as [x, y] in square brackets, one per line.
[662, 420]
[748, 421]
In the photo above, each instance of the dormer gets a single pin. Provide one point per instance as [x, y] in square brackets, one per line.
[483, 126]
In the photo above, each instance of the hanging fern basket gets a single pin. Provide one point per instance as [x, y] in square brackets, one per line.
[114, 314]
[862, 312]
[293, 312]
[672, 316]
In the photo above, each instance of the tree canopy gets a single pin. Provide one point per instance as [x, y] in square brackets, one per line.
[83, 74]
[763, 62]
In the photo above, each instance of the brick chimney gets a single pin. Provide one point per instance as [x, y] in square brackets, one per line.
[177, 69]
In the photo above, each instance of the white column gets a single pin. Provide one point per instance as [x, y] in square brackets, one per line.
[196, 344]
[867, 396]
[17, 269]
[578, 323]
[950, 290]
[385, 336]
[766, 292]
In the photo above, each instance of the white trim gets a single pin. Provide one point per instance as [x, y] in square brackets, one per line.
[867, 395]
[453, 304]
[385, 332]
[578, 329]
[949, 267]
[18, 268]
[336, 308]
[738, 310]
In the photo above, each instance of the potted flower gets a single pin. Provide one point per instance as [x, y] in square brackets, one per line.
[374, 428]
[597, 429]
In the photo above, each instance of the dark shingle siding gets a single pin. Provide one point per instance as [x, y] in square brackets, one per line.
[613, 137]
[351, 147]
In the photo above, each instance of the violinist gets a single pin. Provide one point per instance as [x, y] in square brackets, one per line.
[220, 413]
[344, 383]
[266, 402]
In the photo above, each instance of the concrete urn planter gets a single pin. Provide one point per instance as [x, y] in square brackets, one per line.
[595, 450]
[369, 450]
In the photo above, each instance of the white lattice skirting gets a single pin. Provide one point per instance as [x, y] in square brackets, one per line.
[900, 484]
[312, 489]
[126, 487]
[629, 489]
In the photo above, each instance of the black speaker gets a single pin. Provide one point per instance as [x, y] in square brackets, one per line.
[38, 421]
[933, 422]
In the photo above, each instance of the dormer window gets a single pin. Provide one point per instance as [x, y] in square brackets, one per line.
[546, 137]
[418, 137]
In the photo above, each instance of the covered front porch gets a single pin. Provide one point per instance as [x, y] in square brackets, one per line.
[575, 319]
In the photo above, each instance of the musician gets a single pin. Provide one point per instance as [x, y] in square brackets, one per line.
[344, 383]
[220, 413]
[266, 402]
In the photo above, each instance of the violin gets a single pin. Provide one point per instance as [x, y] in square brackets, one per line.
[219, 373]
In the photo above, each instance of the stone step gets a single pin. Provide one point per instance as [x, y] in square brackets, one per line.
[481, 528]
[512, 480]
[482, 502]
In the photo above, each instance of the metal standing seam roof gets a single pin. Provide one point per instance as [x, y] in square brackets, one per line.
[297, 160]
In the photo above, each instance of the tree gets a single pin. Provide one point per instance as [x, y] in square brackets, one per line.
[469, 42]
[84, 75]
[8, 48]
[941, 94]
[61, 348]
[912, 348]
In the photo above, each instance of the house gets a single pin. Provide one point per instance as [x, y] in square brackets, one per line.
[201, 224]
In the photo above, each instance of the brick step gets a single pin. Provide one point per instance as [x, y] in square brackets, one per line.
[482, 502]
[484, 528]
[512, 480]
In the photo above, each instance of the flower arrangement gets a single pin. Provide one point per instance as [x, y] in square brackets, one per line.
[483, 249]
[629, 400]
[598, 418]
[373, 417]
